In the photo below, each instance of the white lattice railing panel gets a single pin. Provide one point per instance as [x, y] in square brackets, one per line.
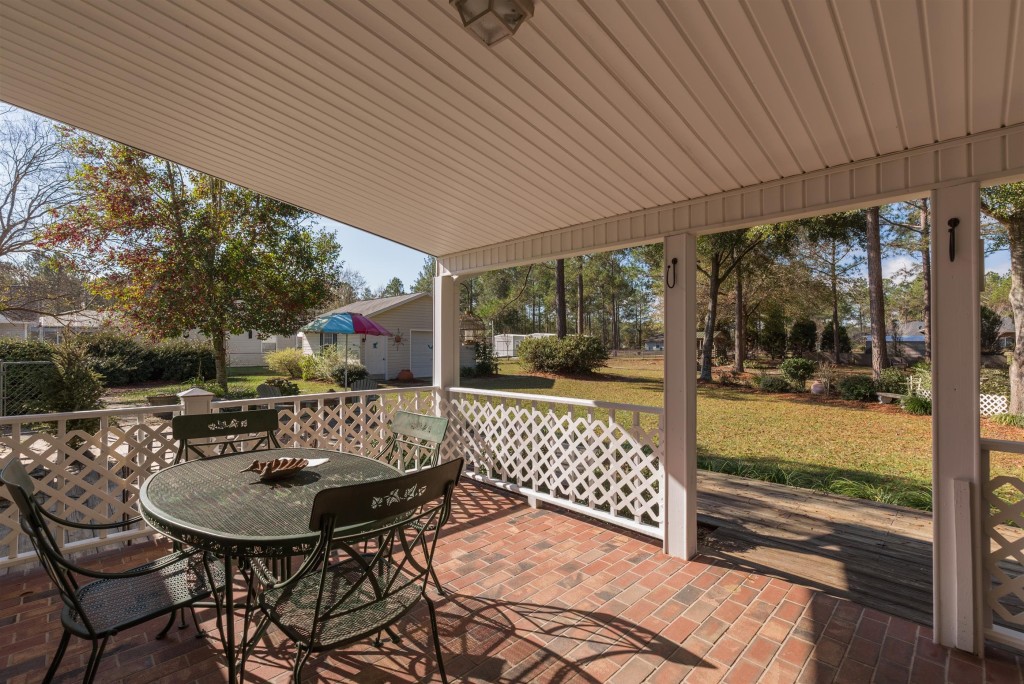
[988, 404]
[88, 467]
[1002, 545]
[597, 458]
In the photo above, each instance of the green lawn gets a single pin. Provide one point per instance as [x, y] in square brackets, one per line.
[241, 382]
[866, 450]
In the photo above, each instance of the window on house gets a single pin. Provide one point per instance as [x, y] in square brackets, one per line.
[250, 334]
[328, 338]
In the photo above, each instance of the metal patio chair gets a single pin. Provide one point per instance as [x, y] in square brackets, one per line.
[215, 434]
[414, 442]
[341, 595]
[113, 601]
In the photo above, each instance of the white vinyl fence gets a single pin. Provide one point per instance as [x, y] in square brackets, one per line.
[990, 404]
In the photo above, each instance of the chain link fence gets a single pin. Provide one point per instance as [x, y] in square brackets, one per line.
[23, 386]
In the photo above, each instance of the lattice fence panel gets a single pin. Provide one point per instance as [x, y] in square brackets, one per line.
[608, 462]
[1003, 518]
[988, 404]
[85, 470]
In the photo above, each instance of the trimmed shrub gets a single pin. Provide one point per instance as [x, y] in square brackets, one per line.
[798, 371]
[893, 380]
[180, 360]
[995, 381]
[483, 355]
[286, 362]
[857, 388]
[772, 383]
[287, 387]
[575, 354]
[120, 359]
[356, 371]
[918, 406]
[74, 385]
[25, 350]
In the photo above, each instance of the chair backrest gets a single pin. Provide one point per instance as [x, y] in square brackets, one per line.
[415, 441]
[405, 514]
[365, 384]
[265, 391]
[221, 433]
[21, 488]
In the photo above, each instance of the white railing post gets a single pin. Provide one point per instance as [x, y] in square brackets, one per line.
[680, 434]
[956, 477]
[196, 401]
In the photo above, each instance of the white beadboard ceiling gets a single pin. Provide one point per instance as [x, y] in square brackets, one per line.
[387, 115]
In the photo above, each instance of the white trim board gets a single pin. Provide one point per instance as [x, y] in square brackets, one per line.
[983, 157]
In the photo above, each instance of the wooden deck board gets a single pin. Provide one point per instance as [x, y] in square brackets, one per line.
[874, 554]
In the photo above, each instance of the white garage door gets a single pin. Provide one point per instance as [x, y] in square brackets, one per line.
[422, 354]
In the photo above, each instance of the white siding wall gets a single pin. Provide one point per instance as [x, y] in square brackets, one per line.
[415, 315]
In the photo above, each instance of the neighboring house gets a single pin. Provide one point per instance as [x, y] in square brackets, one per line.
[17, 329]
[410, 318]
[1007, 334]
[911, 341]
[247, 349]
[57, 326]
[655, 343]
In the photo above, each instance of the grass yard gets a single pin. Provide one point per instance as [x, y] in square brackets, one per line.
[864, 450]
[241, 381]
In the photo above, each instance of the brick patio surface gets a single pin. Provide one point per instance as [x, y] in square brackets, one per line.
[540, 596]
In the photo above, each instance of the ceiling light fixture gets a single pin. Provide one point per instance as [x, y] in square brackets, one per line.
[492, 21]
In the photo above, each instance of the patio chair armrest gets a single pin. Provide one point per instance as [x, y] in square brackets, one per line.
[64, 522]
[147, 569]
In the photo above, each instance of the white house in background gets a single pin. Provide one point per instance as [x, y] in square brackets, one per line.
[55, 327]
[16, 329]
[247, 349]
[410, 318]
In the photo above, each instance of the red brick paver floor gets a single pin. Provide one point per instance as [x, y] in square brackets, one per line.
[540, 596]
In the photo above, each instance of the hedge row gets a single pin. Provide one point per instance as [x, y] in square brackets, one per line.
[123, 360]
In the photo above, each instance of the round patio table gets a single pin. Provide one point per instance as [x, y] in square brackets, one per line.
[210, 505]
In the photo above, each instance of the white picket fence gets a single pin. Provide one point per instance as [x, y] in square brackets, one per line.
[989, 404]
[595, 458]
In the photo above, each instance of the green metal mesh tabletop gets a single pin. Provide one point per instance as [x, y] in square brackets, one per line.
[210, 505]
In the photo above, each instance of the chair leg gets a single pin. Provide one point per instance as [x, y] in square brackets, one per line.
[301, 655]
[170, 622]
[200, 633]
[437, 582]
[437, 638]
[57, 657]
[94, 660]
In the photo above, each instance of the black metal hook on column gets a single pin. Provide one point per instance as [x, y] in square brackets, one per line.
[952, 223]
[671, 268]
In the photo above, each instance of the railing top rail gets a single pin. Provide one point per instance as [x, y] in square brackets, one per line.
[588, 403]
[1004, 445]
[98, 413]
[319, 395]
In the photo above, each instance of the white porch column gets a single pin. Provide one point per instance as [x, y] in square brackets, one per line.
[956, 466]
[446, 331]
[680, 466]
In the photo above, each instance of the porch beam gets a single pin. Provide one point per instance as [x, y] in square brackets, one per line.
[956, 467]
[446, 330]
[680, 417]
[981, 157]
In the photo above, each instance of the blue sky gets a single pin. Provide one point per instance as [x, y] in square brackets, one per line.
[376, 259]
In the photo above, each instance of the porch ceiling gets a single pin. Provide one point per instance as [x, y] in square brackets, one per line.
[390, 117]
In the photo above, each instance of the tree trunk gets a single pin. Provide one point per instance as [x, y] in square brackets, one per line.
[1015, 232]
[741, 323]
[220, 358]
[709, 322]
[879, 349]
[560, 324]
[615, 325]
[926, 275]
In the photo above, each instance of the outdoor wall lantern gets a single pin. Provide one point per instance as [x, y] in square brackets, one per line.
[493, 21]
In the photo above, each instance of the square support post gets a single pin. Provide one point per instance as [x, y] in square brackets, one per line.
[956, 462]
[680, 420]
[446, 331]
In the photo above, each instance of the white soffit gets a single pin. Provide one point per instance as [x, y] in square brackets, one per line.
[388, 116]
